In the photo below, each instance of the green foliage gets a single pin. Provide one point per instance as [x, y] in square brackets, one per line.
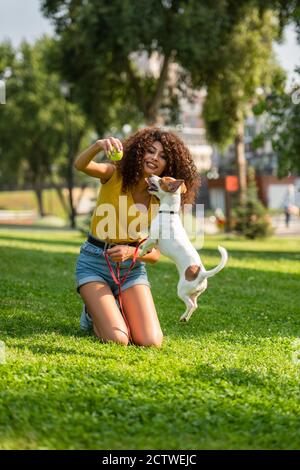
[225, 380]
[249, 65]
[281, 110]
[32, 122]
[251, 218]
[99, 42]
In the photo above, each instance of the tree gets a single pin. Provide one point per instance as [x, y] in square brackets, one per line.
[251, 218]
[281, 109]
[32, 124]
[250, 65]
[100, 45]
[223, 45]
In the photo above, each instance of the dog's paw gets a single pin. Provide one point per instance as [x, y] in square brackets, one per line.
[183, 318]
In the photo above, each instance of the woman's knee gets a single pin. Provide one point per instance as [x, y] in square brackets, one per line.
[119, 337]
[154, 340]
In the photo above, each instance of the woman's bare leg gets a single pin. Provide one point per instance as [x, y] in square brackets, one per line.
[141, 315]
[107, 319]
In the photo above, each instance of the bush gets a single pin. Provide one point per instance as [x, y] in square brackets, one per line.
[251, 218]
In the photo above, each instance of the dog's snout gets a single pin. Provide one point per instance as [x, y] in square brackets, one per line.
[152, 183]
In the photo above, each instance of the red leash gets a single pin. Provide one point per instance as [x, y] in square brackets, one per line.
[120, 282]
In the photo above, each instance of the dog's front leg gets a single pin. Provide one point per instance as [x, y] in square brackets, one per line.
[191, 305]
[147, 246]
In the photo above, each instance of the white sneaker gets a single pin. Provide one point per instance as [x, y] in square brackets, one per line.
[86, 323]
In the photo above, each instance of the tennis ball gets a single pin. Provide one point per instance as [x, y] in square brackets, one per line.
[115, 155]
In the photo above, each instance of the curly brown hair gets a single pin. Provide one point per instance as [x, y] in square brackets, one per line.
[179, 162]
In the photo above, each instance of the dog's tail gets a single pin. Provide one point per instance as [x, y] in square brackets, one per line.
[220, 266]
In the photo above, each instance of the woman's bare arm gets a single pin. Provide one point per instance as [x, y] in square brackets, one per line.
[151, 257]
[103, 171]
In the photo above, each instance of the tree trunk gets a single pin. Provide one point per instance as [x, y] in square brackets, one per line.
[70, 186]
[72, 213]
[60, 196]
[75, 140]
[241, 163]
[39, 196]
[152, 110]
[70, 168]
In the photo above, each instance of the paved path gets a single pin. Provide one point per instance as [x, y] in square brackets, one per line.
[210, 227]
[281, 230]
[278, 223]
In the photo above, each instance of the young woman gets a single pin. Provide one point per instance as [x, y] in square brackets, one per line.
[123, 195]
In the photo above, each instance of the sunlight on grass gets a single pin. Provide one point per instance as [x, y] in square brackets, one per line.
[224, 380]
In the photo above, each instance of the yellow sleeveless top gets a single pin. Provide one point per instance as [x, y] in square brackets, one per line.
[117, 218]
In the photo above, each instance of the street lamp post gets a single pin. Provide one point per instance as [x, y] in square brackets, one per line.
[65, 91]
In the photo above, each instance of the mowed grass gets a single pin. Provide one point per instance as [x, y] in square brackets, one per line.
[225, 380]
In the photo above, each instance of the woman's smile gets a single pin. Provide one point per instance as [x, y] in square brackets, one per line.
[151, 165]
[154, 159]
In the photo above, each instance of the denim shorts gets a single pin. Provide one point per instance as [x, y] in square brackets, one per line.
[91, 266]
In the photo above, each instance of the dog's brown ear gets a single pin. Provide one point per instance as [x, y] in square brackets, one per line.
[174, 185]
[182, 184]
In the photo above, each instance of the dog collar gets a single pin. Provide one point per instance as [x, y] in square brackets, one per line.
[168, 212]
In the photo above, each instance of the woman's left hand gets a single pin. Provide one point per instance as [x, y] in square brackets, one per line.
[120, 253]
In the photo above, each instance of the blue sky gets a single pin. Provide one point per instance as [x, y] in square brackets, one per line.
[21, 19]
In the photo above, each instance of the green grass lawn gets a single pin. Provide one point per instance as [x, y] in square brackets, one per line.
[225, 380]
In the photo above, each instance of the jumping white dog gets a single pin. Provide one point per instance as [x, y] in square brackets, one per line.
[177, 246]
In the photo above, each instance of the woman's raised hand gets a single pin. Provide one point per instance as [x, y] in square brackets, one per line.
[110, 145]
